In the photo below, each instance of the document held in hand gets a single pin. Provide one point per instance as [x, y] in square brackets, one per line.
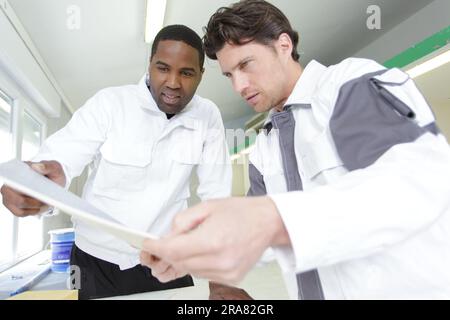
[22, 178]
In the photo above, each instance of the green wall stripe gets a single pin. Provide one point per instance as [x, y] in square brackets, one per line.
[250, 140]
[420, 50]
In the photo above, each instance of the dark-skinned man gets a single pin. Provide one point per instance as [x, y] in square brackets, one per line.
[142, 143]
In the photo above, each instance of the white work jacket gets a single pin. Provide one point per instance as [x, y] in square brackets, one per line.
[377, 231]
[141, 163]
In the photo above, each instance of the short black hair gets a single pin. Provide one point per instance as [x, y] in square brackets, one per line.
[178, 32]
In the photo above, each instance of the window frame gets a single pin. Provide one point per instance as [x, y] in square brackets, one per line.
[5, 97]
[19, 106]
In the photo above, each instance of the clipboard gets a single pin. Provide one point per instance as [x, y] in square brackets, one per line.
[22, 178]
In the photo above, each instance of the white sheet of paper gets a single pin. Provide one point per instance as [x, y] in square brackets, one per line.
[22, 178]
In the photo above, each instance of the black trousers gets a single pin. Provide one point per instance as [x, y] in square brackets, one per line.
[99, 279]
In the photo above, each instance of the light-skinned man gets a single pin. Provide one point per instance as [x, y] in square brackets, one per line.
[349, 178]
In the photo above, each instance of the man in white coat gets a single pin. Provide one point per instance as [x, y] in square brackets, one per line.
[349, 178]
[142, 142]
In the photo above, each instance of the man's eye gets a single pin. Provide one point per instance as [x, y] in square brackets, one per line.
[163, 69]
[187, 73]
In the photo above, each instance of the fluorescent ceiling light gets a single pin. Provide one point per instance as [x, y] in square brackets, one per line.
[429, 65]
[154, 19]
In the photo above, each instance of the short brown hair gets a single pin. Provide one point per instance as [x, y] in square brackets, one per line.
[246, 21]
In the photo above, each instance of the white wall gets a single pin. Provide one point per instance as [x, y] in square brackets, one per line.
[238, 123]
[442, 113]
[241, 181]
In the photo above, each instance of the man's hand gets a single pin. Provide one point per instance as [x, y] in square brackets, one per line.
[22, 205]
[219, 291]
[160, 269]
[219, 240]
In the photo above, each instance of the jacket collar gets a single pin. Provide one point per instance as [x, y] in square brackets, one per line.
[303, 89]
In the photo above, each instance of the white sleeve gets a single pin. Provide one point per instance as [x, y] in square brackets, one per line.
[75, 145]
[367, 210]
[214, 171]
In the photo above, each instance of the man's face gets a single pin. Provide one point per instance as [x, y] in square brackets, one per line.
[175, 74]
[256, 72]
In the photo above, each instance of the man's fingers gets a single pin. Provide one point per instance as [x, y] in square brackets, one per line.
[179, 247]
[51, 169]
[152, 247]
[31, 203]
[215, 267]
[39, 167]
[19, 204]
[145, 259]
[19, 212]
[161, 270]
[22, 201]
[10, 195]
[189, 219]
[187, 253]
[170, 274]
[44, 167]
[158, 266]
[148, 259]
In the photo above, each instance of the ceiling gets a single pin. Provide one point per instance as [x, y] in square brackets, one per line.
[109, 50]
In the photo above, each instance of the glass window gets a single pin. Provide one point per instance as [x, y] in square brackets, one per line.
[6, 153]
[30, 228]
[32, 136]
[6, 141]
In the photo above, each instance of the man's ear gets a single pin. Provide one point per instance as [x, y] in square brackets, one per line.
[284, 44]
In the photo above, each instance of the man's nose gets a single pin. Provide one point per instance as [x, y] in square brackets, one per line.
[240, 84]
[173, 81]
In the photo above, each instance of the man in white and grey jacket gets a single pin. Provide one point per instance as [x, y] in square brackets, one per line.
[349, 178]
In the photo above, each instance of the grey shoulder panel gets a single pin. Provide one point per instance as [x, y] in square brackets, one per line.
[368, 120]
